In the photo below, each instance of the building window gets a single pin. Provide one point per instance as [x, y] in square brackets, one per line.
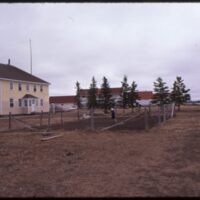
[34, 88]
[20, 86]
[25, 102]
[29, 102]
[41, 102]
[41, 88]
[11, 85]
[20, 102]
[27, 87]
[36, 102]
[11, 103]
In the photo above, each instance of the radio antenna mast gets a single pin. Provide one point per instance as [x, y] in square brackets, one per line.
[30, 56]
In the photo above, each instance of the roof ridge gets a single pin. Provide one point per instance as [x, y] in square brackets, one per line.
[12, 72]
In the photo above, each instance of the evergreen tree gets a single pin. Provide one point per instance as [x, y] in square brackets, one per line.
[92, 92]
[92, 102]
[187, 97]
[77, 98]
[179, 92]
[105, 93]
[161, 91]
[125, 89]
[133, 95]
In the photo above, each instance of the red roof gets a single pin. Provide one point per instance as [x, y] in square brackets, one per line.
[118, 91]
[145, 95]
[62, 99]
[84, 92]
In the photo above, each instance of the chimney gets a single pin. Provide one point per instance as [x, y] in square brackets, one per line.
[9, 61]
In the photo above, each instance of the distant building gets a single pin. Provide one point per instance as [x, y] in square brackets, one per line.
[145, 97]
[62, 102]
[21, 92]
[115, 95]
[69, 102]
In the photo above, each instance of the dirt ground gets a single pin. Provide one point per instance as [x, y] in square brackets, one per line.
[122, 162]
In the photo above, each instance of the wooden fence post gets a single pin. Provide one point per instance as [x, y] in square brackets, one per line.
[146, 119]
[41, 117]
[61, 118]
[164, 113]
[159, 110]
[169, 111]
[139, 108]
[173, 109]
[9, 120]
[149, 109]
[92, 118]
[49, 122]
[78, 113]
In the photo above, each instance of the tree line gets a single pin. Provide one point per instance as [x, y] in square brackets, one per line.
[179, 94]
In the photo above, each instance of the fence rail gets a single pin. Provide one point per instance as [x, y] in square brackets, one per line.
[94, 120]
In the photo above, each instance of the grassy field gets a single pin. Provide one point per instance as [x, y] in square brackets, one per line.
[121, 162]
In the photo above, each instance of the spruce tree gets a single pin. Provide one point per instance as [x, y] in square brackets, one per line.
[161, 91]
[105, 93]
[92, 102]
[92, 94]
[125, 90]
[77, 98]
[187, 97]
[179, 92]
[133, 95]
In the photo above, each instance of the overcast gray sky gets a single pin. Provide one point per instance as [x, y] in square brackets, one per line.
[75, 41]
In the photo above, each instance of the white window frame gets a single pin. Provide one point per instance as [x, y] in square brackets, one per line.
[41, 102]
[19, 86]
[34, 88]
[11, 103]
[36, 102]
[20, 103]
[25, 102]
[11, 85]
[41, 88]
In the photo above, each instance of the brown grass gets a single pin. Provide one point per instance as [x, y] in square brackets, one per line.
[163, 161]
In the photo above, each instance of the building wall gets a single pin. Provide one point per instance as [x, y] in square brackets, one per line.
[6, 94]
[62, 106]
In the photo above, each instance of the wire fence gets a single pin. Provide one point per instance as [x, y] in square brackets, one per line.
[84, 119]
[156, 114]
